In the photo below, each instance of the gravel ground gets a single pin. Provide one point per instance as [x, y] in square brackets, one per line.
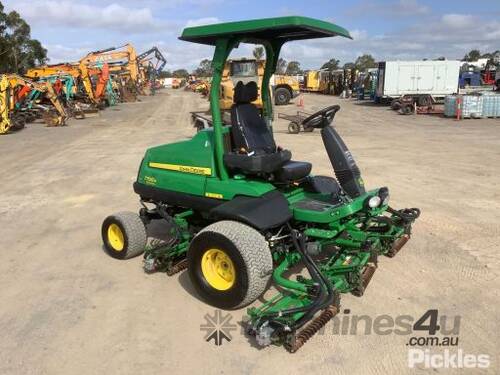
[67, 308]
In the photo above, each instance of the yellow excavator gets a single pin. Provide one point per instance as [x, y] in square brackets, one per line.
[125, 53]
[78, 71]
[123, 62]
[13, 92]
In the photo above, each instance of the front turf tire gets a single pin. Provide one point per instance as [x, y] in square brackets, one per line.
[124, 235]
[246, 256]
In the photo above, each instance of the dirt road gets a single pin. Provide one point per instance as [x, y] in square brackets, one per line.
[67, 308]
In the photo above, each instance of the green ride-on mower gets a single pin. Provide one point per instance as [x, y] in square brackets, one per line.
[241, 213]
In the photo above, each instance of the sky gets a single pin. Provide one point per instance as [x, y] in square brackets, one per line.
[387, 29]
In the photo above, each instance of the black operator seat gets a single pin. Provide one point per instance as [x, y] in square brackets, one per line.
[255, 151]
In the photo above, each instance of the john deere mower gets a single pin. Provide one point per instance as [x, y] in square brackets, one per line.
[241, 213]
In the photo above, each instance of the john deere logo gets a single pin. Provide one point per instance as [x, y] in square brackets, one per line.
[218, 327]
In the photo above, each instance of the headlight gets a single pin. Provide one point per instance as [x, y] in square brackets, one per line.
[383, 193]
[374, 201]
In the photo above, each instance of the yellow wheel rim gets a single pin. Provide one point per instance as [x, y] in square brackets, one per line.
[115, 237]
[218, 269]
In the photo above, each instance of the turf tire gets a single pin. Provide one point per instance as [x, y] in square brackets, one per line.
[250, 254]
[134, 234]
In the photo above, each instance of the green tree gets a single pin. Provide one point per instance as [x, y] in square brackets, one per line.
[331, 64]
[348, 65]
[473, 55]
[365, 62]
[18, 52]
[180, 73]
[165, 74]
[258, 52]
[293, 68]
[281, 66]
[204, 69]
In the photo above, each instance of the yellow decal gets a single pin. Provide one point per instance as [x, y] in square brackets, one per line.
[182, 168]
[150, 180]
[347, 261]
[214, 195]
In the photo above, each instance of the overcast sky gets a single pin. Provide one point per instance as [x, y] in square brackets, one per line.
[387, 29]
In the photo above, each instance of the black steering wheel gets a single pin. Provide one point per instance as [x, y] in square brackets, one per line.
[322, 118]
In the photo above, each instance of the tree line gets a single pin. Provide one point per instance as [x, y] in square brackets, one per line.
[18, 51]
[362, 63]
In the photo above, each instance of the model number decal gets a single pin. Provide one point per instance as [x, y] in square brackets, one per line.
[149, 180]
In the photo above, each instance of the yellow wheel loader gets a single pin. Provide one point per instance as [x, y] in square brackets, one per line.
[284, 88]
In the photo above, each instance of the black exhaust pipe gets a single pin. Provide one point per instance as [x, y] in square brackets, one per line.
[344, 166]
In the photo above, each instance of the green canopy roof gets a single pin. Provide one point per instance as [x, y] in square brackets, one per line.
[280, 28]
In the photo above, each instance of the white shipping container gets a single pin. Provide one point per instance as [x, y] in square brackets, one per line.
[436, 78]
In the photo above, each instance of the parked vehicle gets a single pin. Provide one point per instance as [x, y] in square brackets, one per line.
[419, 80]
[284, 88]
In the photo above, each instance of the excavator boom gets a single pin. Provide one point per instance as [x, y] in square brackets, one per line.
[8, 104]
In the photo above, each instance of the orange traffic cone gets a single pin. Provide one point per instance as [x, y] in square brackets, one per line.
[300, 102]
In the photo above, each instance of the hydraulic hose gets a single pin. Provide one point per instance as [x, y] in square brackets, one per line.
[324, 299]
[407, 214]
[326, 294]
[385, 227]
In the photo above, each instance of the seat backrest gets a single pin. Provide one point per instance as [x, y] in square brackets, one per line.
[249, 131]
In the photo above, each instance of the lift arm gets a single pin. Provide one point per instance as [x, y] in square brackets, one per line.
[161, 61]
[77, 70]
[113, 55]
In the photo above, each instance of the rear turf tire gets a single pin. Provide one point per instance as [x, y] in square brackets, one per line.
[250, 260]
[124, 235]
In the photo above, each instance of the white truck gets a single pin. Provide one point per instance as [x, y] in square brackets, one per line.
[423, 82]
